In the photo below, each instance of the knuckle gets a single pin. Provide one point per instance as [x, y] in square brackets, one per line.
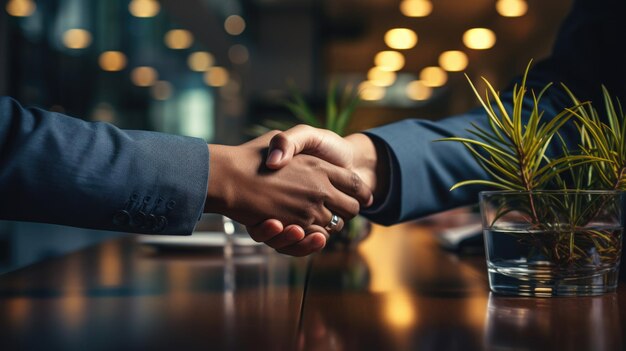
[356, 182]
[304, 127]
[353, 209]
[307, 218]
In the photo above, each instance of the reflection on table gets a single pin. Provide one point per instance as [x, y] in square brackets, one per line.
[120, 295]
[397, 291]
[400, 291]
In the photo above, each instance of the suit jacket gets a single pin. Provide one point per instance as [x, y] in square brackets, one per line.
[588, 52]
[62, 170]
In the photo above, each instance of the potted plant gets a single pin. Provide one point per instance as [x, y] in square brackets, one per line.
[554, 226]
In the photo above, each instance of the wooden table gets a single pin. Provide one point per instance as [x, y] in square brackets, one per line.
[397, 291]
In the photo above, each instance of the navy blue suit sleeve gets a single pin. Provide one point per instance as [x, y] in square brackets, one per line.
[62, 170]
[586, 54]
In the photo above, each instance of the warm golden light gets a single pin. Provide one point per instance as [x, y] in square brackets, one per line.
[200, 61]
[416, 90]
[453, 60]
[389, 60]
[371, 92]
[479, 38]
[433, 76]
[178, 39]
[399, 309]
[144, 8]
[216, 76]
[144, 76]
[400, 38]
[161, 90]
[21, 8]
[112, 61]
[416, 8]
[234, 25]
[76, 38]
[512, 8]
[238, 54]
[381, 78]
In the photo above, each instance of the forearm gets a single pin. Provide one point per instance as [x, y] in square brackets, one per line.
[58, 169]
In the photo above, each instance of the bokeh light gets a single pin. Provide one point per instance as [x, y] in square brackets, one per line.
[238, 54]
[433, 76]
[144, 8]
[417, 90]
[453, 60]
[161, 90]
[381, 78]
[76, 38]
[178, 39]
[200, 61]
[512, 8]
[389, 60]
[479, 38]
[112, 61]
[416, 8]
[370, 92]
[400, 38]
[234, 25]
[216, 76]
[144, 76]
[21, 8]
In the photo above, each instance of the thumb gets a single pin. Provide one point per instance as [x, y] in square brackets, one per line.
[309, 140]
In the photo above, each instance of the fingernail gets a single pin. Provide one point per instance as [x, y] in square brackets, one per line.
[370, 201]
[275, 157]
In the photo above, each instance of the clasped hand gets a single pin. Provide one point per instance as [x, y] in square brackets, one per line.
[288, 198]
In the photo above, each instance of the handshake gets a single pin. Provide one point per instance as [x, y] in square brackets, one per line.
[293, 189]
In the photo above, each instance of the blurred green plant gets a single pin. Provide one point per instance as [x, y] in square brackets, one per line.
[341, 102]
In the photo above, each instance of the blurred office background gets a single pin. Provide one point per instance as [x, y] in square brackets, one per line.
[216, 68]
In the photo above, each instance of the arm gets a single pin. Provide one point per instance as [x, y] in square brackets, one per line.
[420, 172]
[58, 169]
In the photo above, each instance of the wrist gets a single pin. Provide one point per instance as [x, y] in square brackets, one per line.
[364, 157]
[219, 191]
[371, 163]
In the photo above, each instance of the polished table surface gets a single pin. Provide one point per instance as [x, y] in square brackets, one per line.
[397, 291]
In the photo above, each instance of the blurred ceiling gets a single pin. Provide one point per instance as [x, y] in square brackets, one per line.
[315, 41]
[345, 36]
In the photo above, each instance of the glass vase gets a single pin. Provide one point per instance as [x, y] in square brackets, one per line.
[552, 243]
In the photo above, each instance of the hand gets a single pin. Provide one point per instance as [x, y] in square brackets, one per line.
[356, 152]
[306, 192]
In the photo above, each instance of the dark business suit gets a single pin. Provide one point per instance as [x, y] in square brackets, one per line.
[59, 169]
[588, 52]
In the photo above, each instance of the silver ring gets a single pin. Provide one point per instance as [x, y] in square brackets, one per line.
[334, 220]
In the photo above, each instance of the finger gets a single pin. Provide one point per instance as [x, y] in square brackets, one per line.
[291, 235]
[322, 224]
[265, 230]
[306, 139]
[350, 184]
[311, 243]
